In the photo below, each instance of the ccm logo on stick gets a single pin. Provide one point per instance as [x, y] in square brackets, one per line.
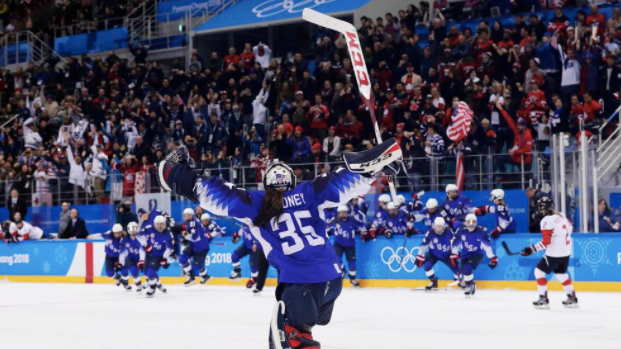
[357, 59]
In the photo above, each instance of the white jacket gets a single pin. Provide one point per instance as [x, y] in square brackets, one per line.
[259, 111]
[336, 151]
[31, 139]
[77, 174]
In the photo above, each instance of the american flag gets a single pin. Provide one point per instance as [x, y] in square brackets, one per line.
[460, 122]
[458, 130]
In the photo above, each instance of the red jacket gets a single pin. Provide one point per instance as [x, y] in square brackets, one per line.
[318, 116]
[522, 143]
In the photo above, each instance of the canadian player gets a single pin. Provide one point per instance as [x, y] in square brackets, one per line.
[556, 230]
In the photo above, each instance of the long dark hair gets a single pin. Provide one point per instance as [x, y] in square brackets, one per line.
[272, 207]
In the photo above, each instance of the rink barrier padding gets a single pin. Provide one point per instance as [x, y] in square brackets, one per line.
[595, 264]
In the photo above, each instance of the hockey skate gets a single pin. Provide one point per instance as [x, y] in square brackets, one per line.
[354, 283]
[150, 292]
[235, 275]
[117, 279]
[138, 286]
[126, 285]
[205, 278]
[433, 284]
[543, 302]
[161, 288]
[571, 301]
[251, 282]
[283, 336]
[470, 290]
[189, 281]
[256, 293]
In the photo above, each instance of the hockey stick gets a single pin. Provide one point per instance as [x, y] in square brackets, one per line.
[362, 76]
[504, 245]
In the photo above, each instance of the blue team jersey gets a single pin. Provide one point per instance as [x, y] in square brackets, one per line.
[428, 217]
[457, 208]
[295, 243]
[398, 224]
[359, 211]
[161, 243]
[249, 240]
[345, 231]
[148, 223]
[213, 229]
[380, 218]
[132, 249]
[329, 214]
[503, 218]
[472, 243]
[196, 235]
[439, 245]
[113, 245]
[414, 207]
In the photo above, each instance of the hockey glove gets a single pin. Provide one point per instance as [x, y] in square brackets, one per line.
[140, 265]
[529, 250]
[164, 263]
[419, 261]
[481, 210]
[235, 238]
[410, 232]
[496, 232]
[148, 248]
[388, 234]
[455, 260]
[117, 266]
[493, 262]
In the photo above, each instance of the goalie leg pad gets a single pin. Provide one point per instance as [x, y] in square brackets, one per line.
[384, 158]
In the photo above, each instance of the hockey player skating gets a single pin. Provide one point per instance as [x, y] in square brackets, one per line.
[195, 248]
[212, 228]
[557, 243]
[457, 206]
[504, 221]
[344, 229]
[114, 244]
[247, 248]
[157, 243]
[132, 253]
[436, 247]
[287, 220]
[470, 245]
[429, 214]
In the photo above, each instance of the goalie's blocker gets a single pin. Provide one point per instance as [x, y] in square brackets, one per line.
[385, 158]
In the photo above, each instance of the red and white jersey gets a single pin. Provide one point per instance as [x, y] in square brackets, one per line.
[26, 232]
[556, 230]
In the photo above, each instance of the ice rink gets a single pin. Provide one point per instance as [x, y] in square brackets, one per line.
[104, 316]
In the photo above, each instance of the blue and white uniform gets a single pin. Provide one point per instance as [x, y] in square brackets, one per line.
[398, 224]
[147, 223]
[131, 253]
[457, 210]
[437, 247]
[196, 247]
[360, 210]
[504, 221]
[158, 247]
[428, 217]
[471, 247]
[344, 232]
[245, 249]
[113, 250]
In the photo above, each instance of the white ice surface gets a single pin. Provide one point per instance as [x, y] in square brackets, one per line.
[81, 316]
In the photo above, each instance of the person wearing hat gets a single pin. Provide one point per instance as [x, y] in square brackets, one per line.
[521, 152]
[610, 78]
[300, 145]
[319, 156]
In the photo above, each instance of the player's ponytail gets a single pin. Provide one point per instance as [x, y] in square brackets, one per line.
[501, 202]
[272, 207]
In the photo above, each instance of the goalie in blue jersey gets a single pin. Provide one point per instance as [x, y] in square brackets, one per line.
[287, 219]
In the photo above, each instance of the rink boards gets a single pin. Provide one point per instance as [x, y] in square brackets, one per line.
[595, 264]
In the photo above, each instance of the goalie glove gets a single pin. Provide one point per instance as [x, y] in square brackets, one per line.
[384, 158]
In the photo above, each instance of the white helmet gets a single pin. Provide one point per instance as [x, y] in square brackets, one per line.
[188, 212]
[438, 225]
[431, 204]
[471, 221]
[279, 176]
[497, 194]
[132, 228]
[385, 198]
[159, 223]
[450, 188]
[342, 208]
[392, 206]
[401, 200]
[117, 228]
[205, 217]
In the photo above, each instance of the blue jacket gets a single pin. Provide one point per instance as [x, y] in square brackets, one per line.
[301, 146]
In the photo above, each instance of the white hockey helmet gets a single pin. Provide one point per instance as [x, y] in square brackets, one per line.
[497, 194]
[471, 221]
[159, 223]
[117, 228]
[450, 188]
[205, 217]
[431, 204]
[342, 208]
[392, 208]
[188, 214]
[279, 176]
[438, 225]
[132, 228]
[400, 200]
[384, 198]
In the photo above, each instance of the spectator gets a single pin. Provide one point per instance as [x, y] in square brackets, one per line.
[300, 146]
[16, 204]
[259, 112]
[319, 115]
[521, 152]
[124, 214]
[607, 221]
[332, 145]
[76, 228]
[262, 55]
[65, 217]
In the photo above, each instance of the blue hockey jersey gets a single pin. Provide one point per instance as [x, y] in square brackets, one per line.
[359, 211]
[295, 243]
[428, 218]
[415, 207]
[196, 235]
[439, 245]
[503, 218]
[398, 224]
[149, 221]
[345, 231]
[161, 243]
[249, 240]
[213, 229]
[472, 243]
[113, 245]
[131, 250]
[380, 218]
[457, 208]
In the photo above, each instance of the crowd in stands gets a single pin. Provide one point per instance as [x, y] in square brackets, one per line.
[243, 107]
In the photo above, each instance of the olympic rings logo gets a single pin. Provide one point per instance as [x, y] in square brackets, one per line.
[392, 258]
[274, 7]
